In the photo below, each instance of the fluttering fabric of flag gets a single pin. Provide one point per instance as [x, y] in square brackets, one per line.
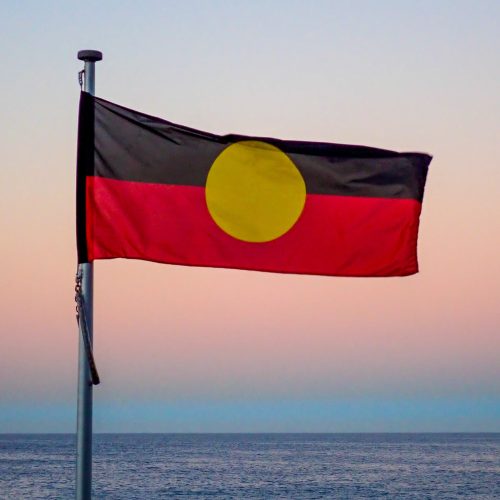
[153, 190]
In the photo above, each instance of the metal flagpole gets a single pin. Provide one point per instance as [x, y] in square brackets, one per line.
[86, 274]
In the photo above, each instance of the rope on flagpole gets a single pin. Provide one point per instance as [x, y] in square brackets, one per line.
[81, 319]
[80, 78]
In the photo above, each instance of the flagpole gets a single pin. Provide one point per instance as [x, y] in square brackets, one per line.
[86, 271]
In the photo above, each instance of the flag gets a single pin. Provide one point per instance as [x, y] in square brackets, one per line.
[153, 190]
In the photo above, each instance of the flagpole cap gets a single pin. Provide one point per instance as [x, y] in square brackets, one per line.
[89, 55]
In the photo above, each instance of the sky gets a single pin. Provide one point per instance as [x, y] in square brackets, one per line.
[211, 350]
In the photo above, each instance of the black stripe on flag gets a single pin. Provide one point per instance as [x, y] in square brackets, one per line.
[133, 146]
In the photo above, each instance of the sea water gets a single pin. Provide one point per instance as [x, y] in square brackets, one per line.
[288, 466]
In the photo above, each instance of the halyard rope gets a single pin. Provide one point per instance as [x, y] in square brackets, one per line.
[81, 318]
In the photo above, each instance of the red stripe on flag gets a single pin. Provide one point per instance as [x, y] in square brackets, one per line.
[335, 235]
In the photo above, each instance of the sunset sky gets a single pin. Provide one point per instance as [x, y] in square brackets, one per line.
[190, 349]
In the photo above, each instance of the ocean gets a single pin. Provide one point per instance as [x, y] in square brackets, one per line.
[285, 466]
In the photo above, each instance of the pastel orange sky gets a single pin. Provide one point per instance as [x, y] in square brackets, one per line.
[191, 349]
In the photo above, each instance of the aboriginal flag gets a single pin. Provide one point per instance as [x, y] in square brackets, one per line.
[153, 190]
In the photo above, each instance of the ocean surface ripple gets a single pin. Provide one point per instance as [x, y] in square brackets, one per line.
[227, 466]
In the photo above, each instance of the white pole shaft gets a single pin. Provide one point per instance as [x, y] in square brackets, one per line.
[84, 411]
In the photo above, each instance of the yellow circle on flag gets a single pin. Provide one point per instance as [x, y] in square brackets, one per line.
[254, 191]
